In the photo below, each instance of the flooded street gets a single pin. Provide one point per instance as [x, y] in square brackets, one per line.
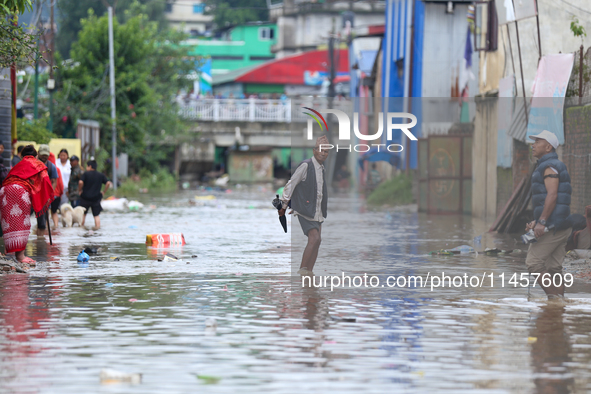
[229, 316]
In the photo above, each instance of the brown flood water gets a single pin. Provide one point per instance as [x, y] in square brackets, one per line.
[233, 319]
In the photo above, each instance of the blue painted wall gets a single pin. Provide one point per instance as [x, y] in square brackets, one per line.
[394, 49]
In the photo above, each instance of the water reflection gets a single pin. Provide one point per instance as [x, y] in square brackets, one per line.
[550, 352]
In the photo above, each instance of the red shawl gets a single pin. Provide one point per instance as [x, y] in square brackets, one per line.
[59, 185]
[31, 174]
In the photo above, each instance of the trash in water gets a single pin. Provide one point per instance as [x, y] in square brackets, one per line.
[109, 284]
[477, 240]
[441, 252]
[115, 258]
[165, 239]
[135, 205]
[495, 251]
[170, 257]
[532, 339]
[211, 322]
[208, 197]
[115, 204]
[132, 300]
[463, 249]
[133, 226]
[83, 257]
[110, 376]
[194, 256]
[91, 249]
[208, 379]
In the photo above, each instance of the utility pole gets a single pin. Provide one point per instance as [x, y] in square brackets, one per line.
[331, 95]
[113, 107]
[51, 81]
[36, 105]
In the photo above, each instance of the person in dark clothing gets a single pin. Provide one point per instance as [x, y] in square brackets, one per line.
[89, 188]
[307, 191]
[75, 177]
[551, 191]
[18, 157]
[53, 175]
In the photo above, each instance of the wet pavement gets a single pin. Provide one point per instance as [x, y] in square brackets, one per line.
[228, 316]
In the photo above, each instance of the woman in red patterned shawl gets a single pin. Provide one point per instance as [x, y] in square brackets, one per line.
[26, 185]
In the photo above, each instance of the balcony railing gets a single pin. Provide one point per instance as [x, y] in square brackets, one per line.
[255, 110]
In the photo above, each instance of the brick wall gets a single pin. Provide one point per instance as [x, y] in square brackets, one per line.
[576, 155]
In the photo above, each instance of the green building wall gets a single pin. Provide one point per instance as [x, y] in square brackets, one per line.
[244, 48]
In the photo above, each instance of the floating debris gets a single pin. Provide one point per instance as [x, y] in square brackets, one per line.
[208, 379]
[83, 257]
[110, 376]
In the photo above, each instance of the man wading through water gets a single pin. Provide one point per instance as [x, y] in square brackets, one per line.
[307, 191]
[551, 190]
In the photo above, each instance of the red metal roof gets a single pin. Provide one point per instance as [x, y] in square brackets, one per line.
[290, 69]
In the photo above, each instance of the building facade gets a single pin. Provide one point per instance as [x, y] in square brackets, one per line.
[307, 25]
[188, 16]
[241, 46]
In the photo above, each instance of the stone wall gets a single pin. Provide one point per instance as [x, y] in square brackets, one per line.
[576, 155]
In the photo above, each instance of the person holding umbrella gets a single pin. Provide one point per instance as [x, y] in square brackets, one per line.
[307, 190]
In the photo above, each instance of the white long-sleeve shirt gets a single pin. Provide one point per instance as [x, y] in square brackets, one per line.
[300, 175]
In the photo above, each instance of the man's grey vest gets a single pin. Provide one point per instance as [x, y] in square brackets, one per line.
[303, 199]
[539, 192]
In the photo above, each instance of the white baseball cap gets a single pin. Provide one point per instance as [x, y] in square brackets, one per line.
[548, 136]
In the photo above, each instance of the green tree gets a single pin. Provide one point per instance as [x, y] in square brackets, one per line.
[15, 6]
[149, 70]
[73, 11]
[16, 44]
[34, 130]
[235, 12]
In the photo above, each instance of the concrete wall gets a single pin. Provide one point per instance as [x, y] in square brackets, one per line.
[304, 32]
[484, 163]
[576, 154]
[443, 50]
[555, 18]
[182, 16]
[504, 187]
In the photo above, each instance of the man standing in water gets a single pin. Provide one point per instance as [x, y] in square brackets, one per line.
[89, 187]
[308, 194]
[551, 190]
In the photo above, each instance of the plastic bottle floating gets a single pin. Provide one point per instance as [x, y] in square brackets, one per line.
[83, 257]
[160, 240]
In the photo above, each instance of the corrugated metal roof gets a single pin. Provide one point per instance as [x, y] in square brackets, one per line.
[518, 127]
[230, 76]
